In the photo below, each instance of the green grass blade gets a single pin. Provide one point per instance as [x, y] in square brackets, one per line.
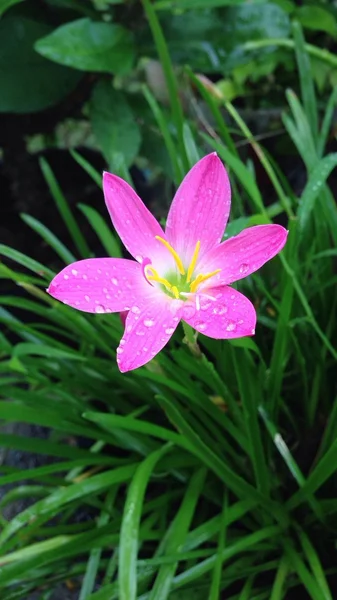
[65, 212]
[127, 573]
[306, 80]
[107, 238]
[49, 237]
[176, 535]
[170, 77]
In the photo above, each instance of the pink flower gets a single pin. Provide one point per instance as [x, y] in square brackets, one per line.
[182, 273]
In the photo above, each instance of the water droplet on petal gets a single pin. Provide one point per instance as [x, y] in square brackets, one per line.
[231, 326]
[87, 298]
[119, 350]
[74, 272]
[99, 309]
[243, 268]
[253, 332]
[148, 322]
[169, 330]
[223, 310]
[65, 276]
[114, 281]
[140, 332]
[202, 326]
[135, 310]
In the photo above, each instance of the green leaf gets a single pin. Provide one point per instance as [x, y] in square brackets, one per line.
[130, 524]
[95, 484]
[89, 46]
[316, 18]
[108, 239]
[114, 125]
[6, 4]
[211, 44]
[313, 188]
[29, 82]
[193, 4]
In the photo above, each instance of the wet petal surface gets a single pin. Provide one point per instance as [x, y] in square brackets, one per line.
[99, 285]
[228, 315]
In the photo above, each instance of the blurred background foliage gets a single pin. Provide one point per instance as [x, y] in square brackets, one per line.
[205, 476]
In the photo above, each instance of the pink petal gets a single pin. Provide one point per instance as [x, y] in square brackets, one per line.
[229, 315]
[245, 253]
[134, 223]
[148, 328]
[200, 208]
[99, 285]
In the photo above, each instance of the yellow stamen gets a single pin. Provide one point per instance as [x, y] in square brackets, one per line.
[193, 262]
[174, 254]
[156, 277]
[200, 279]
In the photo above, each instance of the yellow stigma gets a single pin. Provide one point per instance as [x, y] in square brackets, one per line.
[193, 262]
[174, 254]
[200, 279]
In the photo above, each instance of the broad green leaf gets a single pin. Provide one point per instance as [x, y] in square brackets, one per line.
[211, 44]
[89, 46]
[114, 125]
[317, 18]
[29, 82]
[6, 4]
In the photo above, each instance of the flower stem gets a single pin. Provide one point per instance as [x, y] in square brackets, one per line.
[191, 339]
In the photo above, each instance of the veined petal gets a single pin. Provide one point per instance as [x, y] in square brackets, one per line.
[148, 328]
[134, 223]
[245, 253]
[200, 208]
[229, 315]
[99, 285]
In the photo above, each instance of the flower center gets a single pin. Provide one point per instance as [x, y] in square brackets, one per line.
[179, 284]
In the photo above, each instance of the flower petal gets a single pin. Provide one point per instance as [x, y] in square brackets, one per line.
[134, 223]
[243, 254]
[99, 285]
[229, 315]
[200, 208]
[148, 328]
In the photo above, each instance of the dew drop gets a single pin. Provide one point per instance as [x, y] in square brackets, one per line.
[65, 276]
[243, 268]
[202, 326]
[223, 310]
[119, 350]
[148, 323]
[253, 332]
[135, 310]
[140, 332]
[84, 277]
[231, 326]
[74, 272]
[99, 309]
[122, 342]
[87, 298]
[114, 281]
[169, 330]
[128, 329]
